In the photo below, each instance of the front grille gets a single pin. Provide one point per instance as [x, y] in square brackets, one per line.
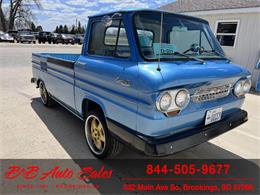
[212, 93]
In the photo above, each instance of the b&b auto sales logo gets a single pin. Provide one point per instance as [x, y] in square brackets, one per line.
[33, 172]
[37, 177]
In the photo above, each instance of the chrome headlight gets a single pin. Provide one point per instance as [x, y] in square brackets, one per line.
[247, 85]
[182, 98]
[242, 87]
[173, 100]
[165, 101]
[238, 89]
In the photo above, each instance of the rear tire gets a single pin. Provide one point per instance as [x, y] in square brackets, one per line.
[100, 142]
[45, 97]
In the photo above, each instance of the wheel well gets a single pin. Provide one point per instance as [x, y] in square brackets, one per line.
[89, 105]
[38, 82]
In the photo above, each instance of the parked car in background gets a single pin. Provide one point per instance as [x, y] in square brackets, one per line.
[36, 34]
[25, 36]
[44, 36]
[64, 39]
[5, 37]
[13, 33]
[54, 37]
[79, 38]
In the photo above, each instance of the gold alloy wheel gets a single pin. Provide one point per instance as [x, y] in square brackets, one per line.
[95, 134]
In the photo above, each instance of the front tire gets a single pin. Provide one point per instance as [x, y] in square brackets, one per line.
[99, 140]
[45, 97]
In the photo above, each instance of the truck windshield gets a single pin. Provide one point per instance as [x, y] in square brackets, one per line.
[164, 35]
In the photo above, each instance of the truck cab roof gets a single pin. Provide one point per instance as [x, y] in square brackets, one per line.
[133, 11]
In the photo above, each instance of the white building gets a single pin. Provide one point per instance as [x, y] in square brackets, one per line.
[236, 24]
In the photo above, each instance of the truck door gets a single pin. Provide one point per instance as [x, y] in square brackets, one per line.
[107, 73]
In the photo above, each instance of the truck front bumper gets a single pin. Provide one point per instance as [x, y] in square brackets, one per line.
[160, 146]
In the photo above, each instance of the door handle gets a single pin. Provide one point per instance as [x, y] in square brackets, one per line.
[81, 63]
[125, 83]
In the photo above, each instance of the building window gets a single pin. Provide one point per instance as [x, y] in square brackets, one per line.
[226, 32]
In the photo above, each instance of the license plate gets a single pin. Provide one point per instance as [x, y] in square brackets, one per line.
[213, 115]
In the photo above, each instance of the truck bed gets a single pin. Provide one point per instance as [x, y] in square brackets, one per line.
[60, 56]
[56, 70]
[62, 59]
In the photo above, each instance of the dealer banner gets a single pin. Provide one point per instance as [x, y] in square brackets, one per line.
[134, 176]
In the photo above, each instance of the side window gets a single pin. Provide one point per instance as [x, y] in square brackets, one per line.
[205, 42]
[111, 37]
[226, 32]
[109, 41]
[145, 37]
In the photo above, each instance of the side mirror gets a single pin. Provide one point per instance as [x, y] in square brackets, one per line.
[107, 21]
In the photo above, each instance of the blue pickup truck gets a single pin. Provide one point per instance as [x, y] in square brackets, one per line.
[155, 81]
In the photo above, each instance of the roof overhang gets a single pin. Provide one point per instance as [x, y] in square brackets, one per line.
[224, 11]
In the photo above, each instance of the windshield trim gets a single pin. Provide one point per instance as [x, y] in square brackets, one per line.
[173, 58]
[184, 59]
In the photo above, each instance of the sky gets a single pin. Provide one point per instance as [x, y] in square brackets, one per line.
[56, 12]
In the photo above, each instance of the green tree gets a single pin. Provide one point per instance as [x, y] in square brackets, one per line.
[66, 30]
[61, 29]
[79, 27]
[83, 30]
[39, 29]
[73, 31]
[57, 29]
[33, 27]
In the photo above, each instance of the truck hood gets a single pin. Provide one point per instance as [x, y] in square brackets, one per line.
[192, 73]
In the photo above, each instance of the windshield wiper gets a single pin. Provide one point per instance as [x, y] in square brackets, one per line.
[189, 57]
[218, 53]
